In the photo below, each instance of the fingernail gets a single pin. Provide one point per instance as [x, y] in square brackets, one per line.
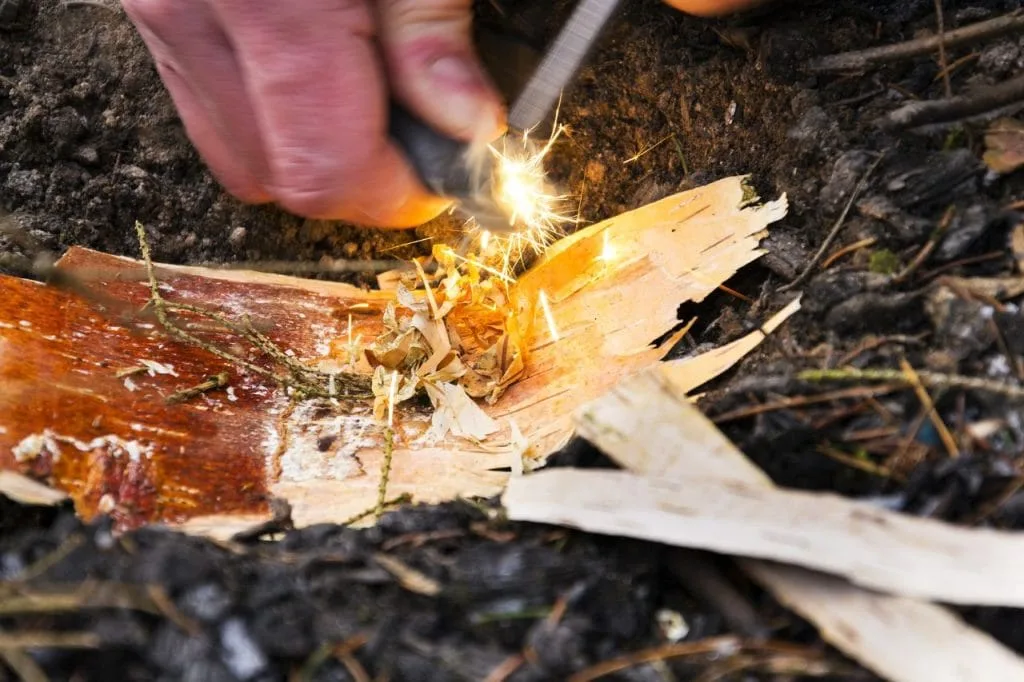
[468, 102]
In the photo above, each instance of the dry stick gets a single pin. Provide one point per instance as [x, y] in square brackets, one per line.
[801, 401]
[834, 232]
[715, 645]
[24, 666]
[385, 472]
[943, 62]
[862, 59]
[952, 448]
[986, 100]
[849, 248]
[49, 640]
[930, 379]
[333, 265]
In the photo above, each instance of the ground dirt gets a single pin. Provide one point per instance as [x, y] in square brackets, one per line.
[89, 143]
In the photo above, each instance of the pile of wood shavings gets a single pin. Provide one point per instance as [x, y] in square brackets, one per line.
[457, 341]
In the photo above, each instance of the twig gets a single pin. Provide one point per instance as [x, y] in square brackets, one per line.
[49, 640]
[308, 382]
[23, 665]
[943, 62]
[834, 232]
[385, 471]
[926, 251]
[930, 379]
[404, 498]
[991, 100]
[849, 248]
[872, 344]
[862, 59]
[801, 401]
[991, 507]
[505, 668]
[879, 470]
[659, 653]
[953, 66]
[952, 449]
[408, 577]
[215, 381]
[322, 266]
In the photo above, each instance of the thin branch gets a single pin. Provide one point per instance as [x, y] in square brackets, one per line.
[990, 100]
[943, 61]
[861, 59]
[930, 379]
[834, 232]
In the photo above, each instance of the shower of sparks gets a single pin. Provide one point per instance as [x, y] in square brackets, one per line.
[508, 279]
[537, 213]
[548, 317]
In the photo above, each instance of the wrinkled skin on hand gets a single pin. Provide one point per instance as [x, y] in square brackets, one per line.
[287, 101]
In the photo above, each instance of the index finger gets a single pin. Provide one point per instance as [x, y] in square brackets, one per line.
[317, 86]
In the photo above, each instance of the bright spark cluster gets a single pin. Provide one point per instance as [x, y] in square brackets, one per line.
[537, 214]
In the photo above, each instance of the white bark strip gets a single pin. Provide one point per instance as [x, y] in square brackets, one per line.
[648, 425]
[871, 547]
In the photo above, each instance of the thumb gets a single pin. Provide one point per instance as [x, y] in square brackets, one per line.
[433, 69]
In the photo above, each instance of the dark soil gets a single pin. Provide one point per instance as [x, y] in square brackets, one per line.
[89, 143]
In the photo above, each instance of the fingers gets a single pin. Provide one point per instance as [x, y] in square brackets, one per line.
[710, 8]
[286, 102]
[198, 67]
[312, 69]
[433, 68]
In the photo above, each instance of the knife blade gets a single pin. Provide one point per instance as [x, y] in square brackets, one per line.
[442, 163]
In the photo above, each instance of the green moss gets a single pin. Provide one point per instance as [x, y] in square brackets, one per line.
[884, 262]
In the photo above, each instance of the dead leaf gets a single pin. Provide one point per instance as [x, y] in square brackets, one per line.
[1004, 145]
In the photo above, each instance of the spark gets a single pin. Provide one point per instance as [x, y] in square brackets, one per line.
[548, 317]
[483, 266]
[607, 250]
[430, 292]
[647, 150]
[404, 244]
[536, 212]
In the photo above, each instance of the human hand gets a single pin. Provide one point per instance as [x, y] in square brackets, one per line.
[709, 8]
[287, 101]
